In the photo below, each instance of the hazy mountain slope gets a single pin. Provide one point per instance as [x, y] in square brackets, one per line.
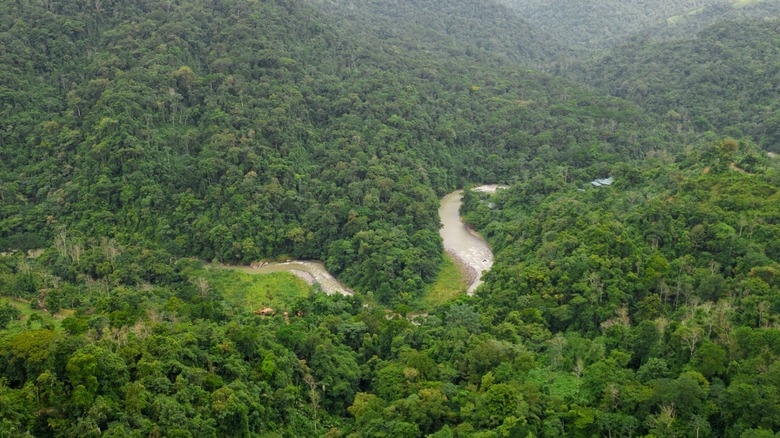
[688, 24]
[488, 27]
[593, 25]
[724, 80]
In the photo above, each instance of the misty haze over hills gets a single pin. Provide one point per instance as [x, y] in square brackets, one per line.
[596, 25]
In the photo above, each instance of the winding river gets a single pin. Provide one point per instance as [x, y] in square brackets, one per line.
[467, 247]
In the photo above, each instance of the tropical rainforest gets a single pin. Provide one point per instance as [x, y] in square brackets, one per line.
[146, 144]
[724, 81]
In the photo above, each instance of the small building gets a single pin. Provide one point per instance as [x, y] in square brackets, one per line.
[602, 182]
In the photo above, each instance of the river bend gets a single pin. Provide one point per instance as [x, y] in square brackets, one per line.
[467, 247]
[462, 243]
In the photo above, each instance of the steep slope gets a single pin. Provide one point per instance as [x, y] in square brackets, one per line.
[694, 21]
[724, 80]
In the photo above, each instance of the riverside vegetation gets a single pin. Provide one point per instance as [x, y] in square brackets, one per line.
[141, 139]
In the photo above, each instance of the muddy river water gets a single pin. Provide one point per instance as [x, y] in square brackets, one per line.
[468, 248]
[461, 242]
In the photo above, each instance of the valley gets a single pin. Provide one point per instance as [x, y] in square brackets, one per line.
[239, 218]
[469, 250]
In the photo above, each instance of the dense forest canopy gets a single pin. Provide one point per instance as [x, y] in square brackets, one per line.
[685, 26]
[488, 27]
[145, 142]
[601, 24]
[669, 275]
[238, 131]
[725, 80]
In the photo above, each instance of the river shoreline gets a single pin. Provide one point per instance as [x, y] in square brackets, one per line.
[468, 273]
[468, 250]
[462, 242]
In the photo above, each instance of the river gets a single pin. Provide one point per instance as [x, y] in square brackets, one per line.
[467, 247]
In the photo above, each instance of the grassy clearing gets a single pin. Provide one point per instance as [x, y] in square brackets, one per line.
[276, 290]
[678, 18]
[675, 20]
[743, 3]
[27, 311]
[449, 284]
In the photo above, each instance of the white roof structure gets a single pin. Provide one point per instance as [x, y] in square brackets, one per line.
[602, 182]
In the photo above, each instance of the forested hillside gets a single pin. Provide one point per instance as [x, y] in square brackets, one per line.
[654, 300]
[485, 27]
[648, 308]
[693, 22]
[601, 24]
[725, 80]
[238, 131]
[145, 143]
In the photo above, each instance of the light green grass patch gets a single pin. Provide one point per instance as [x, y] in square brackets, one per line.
[743, 3]
[27, 311]
[678, 18]
[449, 284]
[256, 291]
[558, 384]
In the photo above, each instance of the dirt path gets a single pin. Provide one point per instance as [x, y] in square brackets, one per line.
[733, 166]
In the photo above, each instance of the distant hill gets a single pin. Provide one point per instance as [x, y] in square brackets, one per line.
[692, 22]
[724, 80]
[599, 24]
[487, 27]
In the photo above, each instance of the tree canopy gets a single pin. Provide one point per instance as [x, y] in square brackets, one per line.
[145, 143]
